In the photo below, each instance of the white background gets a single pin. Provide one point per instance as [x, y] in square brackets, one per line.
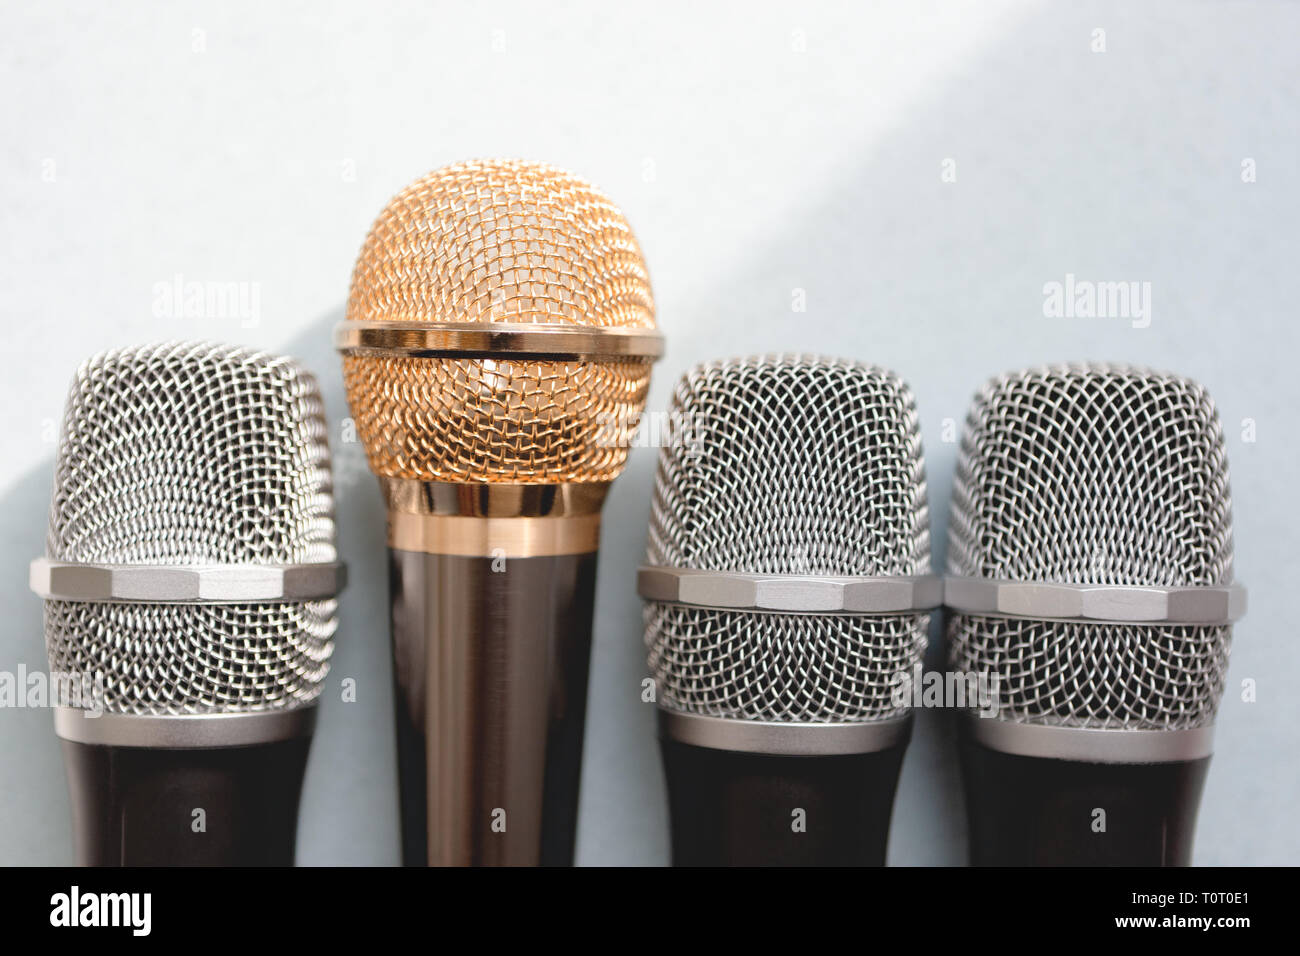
[758, 149]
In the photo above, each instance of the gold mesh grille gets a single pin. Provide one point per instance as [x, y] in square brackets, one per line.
[499, 241]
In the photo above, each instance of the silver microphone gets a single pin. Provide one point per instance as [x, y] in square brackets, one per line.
[1090, 580]
[189, 584]
[787, 594]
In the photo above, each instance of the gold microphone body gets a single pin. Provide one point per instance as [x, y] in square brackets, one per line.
[497, 354]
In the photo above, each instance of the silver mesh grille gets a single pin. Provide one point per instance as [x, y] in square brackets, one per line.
[188, 658]
[193, 454]
[807, 466]
[781, 667]
[1094, 474]
[1097, 675]
[797, 465]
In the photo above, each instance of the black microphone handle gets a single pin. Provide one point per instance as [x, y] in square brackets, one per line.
[731, 808]
[1036, 811]
[491, 660]
[136, 806]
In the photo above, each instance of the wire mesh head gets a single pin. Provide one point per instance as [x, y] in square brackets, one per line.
[185, 454]
[795, 465]
[1094, 474]
[499, 241]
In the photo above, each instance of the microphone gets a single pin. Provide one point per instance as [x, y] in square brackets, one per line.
[787, 595]
[1090, 580]
[189, 585]
[496, 353]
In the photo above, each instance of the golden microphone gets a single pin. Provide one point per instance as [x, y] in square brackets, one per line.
[497, 349]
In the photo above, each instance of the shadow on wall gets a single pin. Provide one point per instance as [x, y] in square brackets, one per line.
[36, 813]
[349, 804]
[941, 278]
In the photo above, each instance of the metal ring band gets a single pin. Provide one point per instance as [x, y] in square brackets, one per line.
[493, 537]
[492, 499]
[184, 731]
[195, 584]
[476, 339]
[789, 592]
[1120, 604]
[787, 739]
[1090, 744]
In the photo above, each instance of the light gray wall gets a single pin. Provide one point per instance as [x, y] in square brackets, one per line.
[758, 149]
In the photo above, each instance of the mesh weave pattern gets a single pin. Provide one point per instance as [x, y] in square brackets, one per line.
[193, 454]
[798, 465]
[1097, 675]
[499, 241]
[781, 667]
[807, 466]
[1105, 475]
[193, 659]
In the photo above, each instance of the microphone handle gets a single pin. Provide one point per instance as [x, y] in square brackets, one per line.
[491, 657]
[1036, 811]
[729, 808]
[139, 806]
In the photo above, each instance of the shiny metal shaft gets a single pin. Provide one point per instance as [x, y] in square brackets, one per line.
[491, 650]
[491, 672]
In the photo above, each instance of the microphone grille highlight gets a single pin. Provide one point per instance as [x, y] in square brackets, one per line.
[796, 465]
[806, 465]
[189, 453]
[796, 668]
[1094, 474]
[193, 454]
[504, 242]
